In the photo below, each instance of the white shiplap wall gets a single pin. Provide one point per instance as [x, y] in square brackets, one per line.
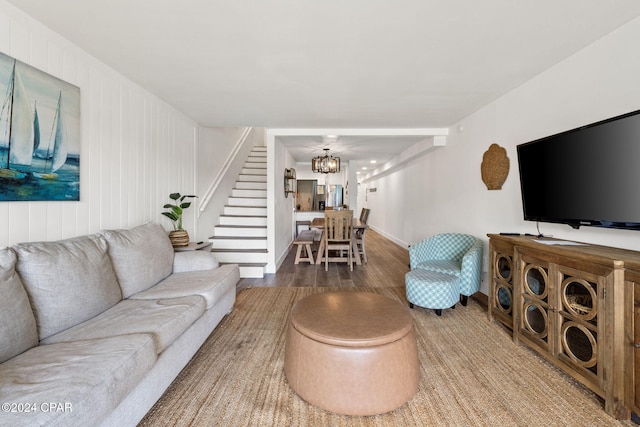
[135, 148]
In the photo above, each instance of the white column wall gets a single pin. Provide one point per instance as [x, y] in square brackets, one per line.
[135, 148]
[281, 209]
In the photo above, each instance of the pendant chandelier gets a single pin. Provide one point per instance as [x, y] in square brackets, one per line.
[326, 163]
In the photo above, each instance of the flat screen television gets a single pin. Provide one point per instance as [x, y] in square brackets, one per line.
[585, 176]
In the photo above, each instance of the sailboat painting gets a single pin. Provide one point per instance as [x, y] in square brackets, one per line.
[39, 135]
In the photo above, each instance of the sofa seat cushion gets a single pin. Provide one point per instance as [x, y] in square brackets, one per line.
[445, 266]
[142, 256]
[210, 284]
[68, 281]
[18, 331]
[164, 319]
[84, 380]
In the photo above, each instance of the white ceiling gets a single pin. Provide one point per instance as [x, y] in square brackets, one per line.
[363, 152]
[330, 63]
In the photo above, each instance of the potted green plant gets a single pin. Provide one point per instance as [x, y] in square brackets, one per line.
[179, 236]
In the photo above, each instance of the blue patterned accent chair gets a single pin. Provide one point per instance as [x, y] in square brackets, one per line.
[455, 254]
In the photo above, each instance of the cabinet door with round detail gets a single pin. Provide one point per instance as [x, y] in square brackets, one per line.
[535, 302]
[501, 280]
[579, 305]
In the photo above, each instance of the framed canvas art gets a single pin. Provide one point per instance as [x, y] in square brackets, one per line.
[39, 135]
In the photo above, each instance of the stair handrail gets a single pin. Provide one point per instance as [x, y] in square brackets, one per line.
[225, 167]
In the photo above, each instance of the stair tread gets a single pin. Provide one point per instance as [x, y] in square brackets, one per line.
[241, 226]
[238, 238]
[248, 251]
[246, 264]
[247, 197]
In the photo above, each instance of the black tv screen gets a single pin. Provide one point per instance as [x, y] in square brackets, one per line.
[585, 176]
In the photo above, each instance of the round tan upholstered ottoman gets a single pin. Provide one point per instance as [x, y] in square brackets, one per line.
[352, 353]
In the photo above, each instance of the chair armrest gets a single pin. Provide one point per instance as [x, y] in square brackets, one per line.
[419, 252]
[194, 261]
[471, 272]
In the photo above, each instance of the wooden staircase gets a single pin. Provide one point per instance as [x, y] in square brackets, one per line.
[241, 236]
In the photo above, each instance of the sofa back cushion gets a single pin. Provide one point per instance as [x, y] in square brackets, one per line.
[68, 281]
[18, 331]
[142, 256]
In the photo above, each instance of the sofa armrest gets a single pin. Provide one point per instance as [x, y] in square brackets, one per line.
[194, 261]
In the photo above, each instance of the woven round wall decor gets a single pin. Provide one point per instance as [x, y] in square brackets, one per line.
[495, 167]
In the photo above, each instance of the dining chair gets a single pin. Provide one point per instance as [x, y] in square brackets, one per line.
[364, 215]
[338, 235]
[359, 234]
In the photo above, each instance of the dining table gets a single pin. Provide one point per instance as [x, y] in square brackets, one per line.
[318, 223]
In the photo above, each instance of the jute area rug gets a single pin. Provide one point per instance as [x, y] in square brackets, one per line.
[471, 375]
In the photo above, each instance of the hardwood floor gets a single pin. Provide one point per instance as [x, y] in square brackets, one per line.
[387, 266]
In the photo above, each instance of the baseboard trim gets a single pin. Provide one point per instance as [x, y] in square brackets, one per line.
[482, 299]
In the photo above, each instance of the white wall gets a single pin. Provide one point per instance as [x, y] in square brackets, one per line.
[443, 191]
[351, 197]
[135, 148]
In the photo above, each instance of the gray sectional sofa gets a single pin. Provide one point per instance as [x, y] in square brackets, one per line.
[94, 329]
